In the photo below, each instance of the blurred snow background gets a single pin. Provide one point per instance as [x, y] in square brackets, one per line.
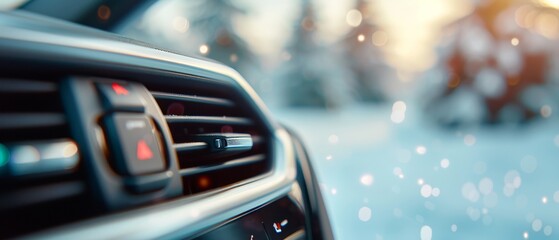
[429, 119]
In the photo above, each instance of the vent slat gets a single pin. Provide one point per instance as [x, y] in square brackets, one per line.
[31, 120]
[229, 164]
[42, 183]
[26, 86]
[193, 99]
[210, 120]
[41, 194]
[209, 157]
[192, 146]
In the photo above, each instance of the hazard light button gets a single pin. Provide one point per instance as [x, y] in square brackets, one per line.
[120, 96]
[134, 144]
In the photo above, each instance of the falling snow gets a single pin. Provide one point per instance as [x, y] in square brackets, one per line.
[473, 213]
[537, 225]
[485, 186]
[512, 182]
[469, 140]
[470, 192]
[547, 230]
[367, 179]
[436, 192]
[333, 139]
[445, 163]
[365, 214]
[468, 186]
[529, 164]
[421, 150]
[398, 112]
[426, 190]
[453, 228]
[426, 233]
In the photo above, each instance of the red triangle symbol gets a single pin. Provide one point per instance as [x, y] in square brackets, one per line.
[143, 151]
[119, 89]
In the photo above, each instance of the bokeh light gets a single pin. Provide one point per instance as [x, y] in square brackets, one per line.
[354, 17]
[181, 24]
[204, 49]
[4, 155]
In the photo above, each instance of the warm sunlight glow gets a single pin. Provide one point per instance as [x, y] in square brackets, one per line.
[550, 3]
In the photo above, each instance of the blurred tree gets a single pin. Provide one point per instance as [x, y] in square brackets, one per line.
[212, 22]
[200, 27]
[491, 65]
[365, 58]
[313, 75]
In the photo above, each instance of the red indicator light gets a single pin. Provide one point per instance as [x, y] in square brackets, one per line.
[143, 151]
[119, 89]
[277, 227]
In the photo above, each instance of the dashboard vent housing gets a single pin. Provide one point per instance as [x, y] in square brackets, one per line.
[41, 183]
[203, 120]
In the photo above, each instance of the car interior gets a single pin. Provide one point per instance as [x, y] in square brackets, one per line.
[105, 137]
[292, 119]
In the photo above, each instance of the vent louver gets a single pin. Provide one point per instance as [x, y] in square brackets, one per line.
[218, 140]
[40, 183]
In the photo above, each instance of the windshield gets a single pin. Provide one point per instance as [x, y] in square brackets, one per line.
[424, 119]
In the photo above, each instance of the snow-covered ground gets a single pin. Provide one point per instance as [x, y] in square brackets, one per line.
[413, 180]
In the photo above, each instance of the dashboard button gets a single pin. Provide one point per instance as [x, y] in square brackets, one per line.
[134, 144]
[282, 219]
[118, 96]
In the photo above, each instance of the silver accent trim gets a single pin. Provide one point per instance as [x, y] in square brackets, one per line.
[239, 143]
[28, 158]
[191, 146]
[192, 99]
[208, 119]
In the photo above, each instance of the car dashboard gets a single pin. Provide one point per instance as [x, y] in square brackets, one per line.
[105, 137]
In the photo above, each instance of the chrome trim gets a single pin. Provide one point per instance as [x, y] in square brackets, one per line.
[208, 119]
[49, 156]
[193, 99]
[239, 143]
[190, 146]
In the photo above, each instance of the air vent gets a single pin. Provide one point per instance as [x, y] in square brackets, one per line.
[218, 139]
[40, 183]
